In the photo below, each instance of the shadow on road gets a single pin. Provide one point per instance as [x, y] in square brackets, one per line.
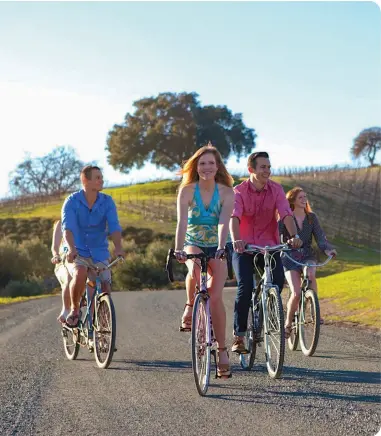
[340, 355]
[331, 385]
[150, 365]
[337, 376]
[266, 396]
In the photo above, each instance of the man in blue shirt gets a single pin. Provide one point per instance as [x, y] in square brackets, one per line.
[88, 216]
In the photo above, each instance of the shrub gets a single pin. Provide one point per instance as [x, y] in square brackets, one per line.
[13, 263]
[38, 256]
[138, 272]
[21, 289]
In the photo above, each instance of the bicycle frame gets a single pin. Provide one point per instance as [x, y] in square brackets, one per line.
[90, 300]
[97, 291]
[306, 281]
[267, 281]
[299, 320]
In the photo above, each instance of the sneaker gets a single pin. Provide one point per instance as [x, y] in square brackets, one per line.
[238, 345]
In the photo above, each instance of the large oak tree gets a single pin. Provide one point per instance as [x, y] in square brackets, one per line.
[167, 129]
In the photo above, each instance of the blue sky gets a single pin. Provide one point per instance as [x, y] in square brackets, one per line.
[305, 75]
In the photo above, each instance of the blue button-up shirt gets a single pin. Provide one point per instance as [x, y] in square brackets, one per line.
[90, 227]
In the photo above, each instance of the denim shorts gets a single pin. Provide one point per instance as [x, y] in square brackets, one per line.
[211, 251]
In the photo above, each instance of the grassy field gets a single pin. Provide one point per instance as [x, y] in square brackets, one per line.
[353, 296]
[9, 300]
[351, 283]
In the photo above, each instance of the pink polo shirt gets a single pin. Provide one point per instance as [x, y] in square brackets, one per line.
[256, 211]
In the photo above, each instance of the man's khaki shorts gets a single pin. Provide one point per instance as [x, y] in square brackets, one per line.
[105, 275]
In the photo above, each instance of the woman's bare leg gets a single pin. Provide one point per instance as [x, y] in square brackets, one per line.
[293, 280]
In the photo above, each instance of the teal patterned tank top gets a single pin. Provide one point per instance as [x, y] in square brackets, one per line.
[202, 229]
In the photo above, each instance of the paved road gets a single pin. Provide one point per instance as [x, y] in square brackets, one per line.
[149, 387]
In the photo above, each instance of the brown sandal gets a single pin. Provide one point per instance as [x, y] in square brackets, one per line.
[186, 323]
[223, 369]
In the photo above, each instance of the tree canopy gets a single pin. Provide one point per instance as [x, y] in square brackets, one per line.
[367, 143]
[167, 129]
[56, 173]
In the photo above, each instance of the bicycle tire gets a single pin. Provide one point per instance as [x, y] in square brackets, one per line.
[71, 344]
[100, 331]
[309, 349]
[293, 340]
[247, 359]
[201, 334]
[276, 325]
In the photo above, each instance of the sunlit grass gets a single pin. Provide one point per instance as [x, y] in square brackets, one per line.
[355, 294]
[9, 300]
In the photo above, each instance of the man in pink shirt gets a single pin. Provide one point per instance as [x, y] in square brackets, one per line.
[258, 201]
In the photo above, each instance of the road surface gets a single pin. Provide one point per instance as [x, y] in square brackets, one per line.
[149, 387]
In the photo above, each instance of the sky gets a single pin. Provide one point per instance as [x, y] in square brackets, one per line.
[305, 75]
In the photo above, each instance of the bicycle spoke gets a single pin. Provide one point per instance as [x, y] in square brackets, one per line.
[274, 339]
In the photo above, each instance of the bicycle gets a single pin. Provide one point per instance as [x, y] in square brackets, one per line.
[304, 319]
[204, 344]
[266, 317]
[97, 334]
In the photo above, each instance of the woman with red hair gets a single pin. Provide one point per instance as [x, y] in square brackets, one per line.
[308, 225]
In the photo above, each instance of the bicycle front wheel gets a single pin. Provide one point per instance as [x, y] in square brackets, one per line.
[104, 331]
[201, 344]
[71, 342]
[309, 323]
[274, 334]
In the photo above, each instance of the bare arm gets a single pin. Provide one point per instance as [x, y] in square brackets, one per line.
[223, 223]
[234, 228]
[183, 200]
[117, 240]
[289, 223]
[57, 238]
[69, 238]
[238, 244]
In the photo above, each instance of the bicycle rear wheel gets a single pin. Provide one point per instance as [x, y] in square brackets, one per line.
[309, 323]
[104, 331]
[274, 334]
[201, 344]
[293, 340]
[70, 341]
[247, 359]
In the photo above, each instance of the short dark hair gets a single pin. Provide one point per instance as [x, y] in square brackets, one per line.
[252, 159]
[86, 171]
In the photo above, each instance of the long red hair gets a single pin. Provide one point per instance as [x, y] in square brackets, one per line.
[291, 196]
[189, 169]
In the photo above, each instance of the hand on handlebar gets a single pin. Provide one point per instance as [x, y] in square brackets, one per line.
[295, 242]
[332, 252]
[220, 254]
[71, 255]
[119, 253]
[239, 245]
[56, 259]
[181, 256]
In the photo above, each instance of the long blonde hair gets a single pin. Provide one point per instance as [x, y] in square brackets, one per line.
[291, 197]
[189, 169]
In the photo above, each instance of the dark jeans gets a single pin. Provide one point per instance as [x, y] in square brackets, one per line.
[244, 269]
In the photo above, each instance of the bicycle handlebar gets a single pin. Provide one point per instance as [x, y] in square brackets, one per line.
[109, 266]
[309, 264]
[279, 247]
[171, 255]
